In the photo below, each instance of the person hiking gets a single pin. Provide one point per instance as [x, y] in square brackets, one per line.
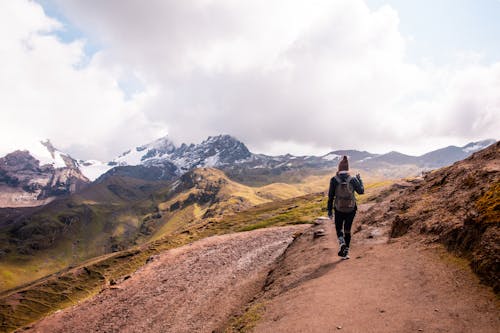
[342, 201]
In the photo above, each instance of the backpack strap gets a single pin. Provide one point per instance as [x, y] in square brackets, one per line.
[339, 181]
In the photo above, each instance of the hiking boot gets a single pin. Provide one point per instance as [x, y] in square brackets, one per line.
[343, 246]
[346, 254]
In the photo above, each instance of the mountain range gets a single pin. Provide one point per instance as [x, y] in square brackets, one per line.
[36, 176]
[227, 153]
[92, 241]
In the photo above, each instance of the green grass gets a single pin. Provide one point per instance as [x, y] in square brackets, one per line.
[28, 303]
[489, 204]
[248, 320]
[278, 213]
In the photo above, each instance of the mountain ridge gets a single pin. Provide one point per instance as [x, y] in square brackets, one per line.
[232, 156]
[207, 153]
[163, 160]
[33, 178]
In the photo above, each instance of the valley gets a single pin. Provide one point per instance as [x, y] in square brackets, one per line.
[121, 212]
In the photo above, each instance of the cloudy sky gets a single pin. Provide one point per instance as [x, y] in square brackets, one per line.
[305, 77]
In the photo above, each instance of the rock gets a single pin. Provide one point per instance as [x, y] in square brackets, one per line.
[25, 182]
[319, 233]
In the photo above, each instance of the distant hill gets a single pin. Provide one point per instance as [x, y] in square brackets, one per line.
[431, 160]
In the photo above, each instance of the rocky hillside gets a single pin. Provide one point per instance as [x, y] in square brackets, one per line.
[458, 206]
[26, 180]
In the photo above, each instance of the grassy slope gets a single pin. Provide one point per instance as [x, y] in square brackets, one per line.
[69, 231]
[236, 208]
[26, 304]
[116, 214]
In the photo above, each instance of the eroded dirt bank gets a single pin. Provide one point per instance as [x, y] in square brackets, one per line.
[189, 289]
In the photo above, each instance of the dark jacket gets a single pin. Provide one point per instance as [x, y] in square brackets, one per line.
[356, 182]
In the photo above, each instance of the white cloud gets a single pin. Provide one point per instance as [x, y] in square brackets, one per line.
[45, 92]
[319, 74]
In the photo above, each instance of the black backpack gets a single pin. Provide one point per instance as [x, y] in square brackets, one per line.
[345, 201]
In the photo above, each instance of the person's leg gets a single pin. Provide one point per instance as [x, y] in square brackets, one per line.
[339, 224]
[349, 218]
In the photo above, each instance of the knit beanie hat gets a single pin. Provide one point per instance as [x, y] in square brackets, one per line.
[344, 164]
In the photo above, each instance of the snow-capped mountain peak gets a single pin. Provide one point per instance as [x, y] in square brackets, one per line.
[214, 151]
[138, 155]
[37, 175]
[46, 153]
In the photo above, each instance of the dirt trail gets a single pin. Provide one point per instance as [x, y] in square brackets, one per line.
[400, 286]
[405, 285]
[189, 289]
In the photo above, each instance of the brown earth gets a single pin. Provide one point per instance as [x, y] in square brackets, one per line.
[400, 286]
[404, 285]
[189, 289]
[457, 206]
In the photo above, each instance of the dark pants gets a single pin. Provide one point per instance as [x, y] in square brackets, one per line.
[343, 223]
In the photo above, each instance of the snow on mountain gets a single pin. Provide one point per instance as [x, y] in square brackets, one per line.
[46, 153]
[214, 151]
[477, 146]
[157, 149]
[229, 154]
[211, 161]
[35, 176]
[331, 157]
[92, 169]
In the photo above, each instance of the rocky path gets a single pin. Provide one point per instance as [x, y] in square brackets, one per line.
[189, 289]
[400, 286]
